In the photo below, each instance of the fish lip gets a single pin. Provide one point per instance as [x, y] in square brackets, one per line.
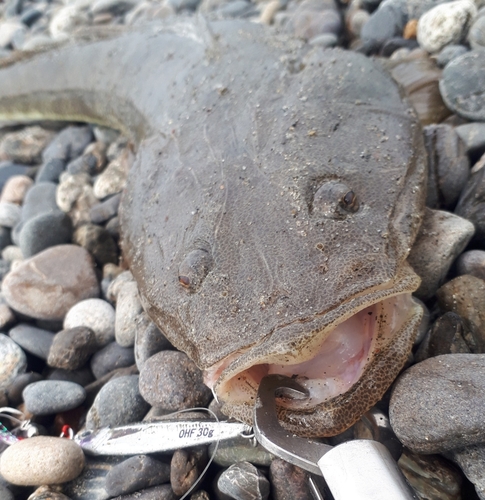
[405, 283]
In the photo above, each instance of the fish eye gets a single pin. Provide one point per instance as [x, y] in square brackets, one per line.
[334, 199]
[194, 268]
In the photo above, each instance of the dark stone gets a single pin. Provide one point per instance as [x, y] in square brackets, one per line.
[72, 348]
[68, 144]
[288, 481]
[30, 16]
[5, 267]
[87, 163]
[148, 341]
[32, 339]
[106, 210]
[163, 492]
[186, 467]
[40, 199]
[9, 169]
[113, 228]
[449, 53]
[471, 204]
[98, 242]
[448, 166]
[170, 380]
[5, 238]
[471, 461]
[393, 44]
[15, 388]
[47, 397]
[50, 171]
[471, 262]
[44, 231]
[81, 376]
[118, 403]
[136, 473]
[111, 357]
[463, 83]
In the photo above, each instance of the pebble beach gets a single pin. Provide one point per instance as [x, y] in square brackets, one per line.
[77, 350]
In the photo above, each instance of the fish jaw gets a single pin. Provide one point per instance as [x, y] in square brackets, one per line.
[346, 359]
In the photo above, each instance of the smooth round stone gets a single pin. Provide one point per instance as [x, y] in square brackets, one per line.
[118, 403]
[9, 214]
[438, 405]
[9, 169]
[26, 145]
[449, 53]
[50, 171]
[47, 285]
[473, 137]
[128, 313]
[111, 357]
[462, 85]
[441, 238]
[472, 262]
[471, 461]
[44, 231]
[136, 473]
[86, 163]
[41, 460]
[288, 481]
[18, 384]
[148, 340]
[72, 348]
[48, 397]
[40, 199]
[15, 189]
[96, 314]
[186, 467]
[244, 481]
[98, 242]
[68, 144]
[445, 24]
[170, 380]
[106, 210]
[476, 35]
[32, 339]
[14, 361]
[432, 477]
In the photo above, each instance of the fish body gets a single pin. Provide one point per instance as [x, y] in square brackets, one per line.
[274, 199]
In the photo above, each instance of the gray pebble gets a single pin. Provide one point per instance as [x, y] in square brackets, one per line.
[129, 313]
[5, 493]
[288, 481]
[113, 228]
[86, 163]
[438, 405]
[462, 84]
[98, 242]
[163, 492]
[40, 199]
[72, 348]
[111, 357]
[471, 461]
[44, 231]
[473, 136]
[32, 339]
[50, 171]
[68, 144]
[448, 166]
[118, 403]
[14, 361]
[476, 35]
[136, 473]
[442, 237]
[5, 238]
[48, 397]
[244, 481]
[115, 7]
[148, 341]
[106, 210]
[472, 262]
[18, 384]
[170, 380]
[10, 214]
[449, 53]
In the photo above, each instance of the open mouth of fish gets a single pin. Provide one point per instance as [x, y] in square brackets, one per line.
[332, 358]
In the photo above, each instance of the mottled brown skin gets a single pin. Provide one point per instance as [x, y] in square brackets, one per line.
[237, 220]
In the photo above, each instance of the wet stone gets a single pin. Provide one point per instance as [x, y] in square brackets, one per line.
[41, 460]
[44, 231]
[18, 384]
[438, 405]
[9, 214]
[47, 285]
[442, 237]
[106, 210]
[14, 361]
[26, 145]
[15, 189]
[148, 341]
[32, 339]
[288, 481]
[129, 313]
[170, 380]
[244, 481]
[471, 461]
[118, 403]
[136, 473]
[50, 171]
[68, 144]
[431, 476]
[462, 84]
[47, 397]
[472, 262]
[111, 357]
[98, 242]
[465, 296]
[473, 137]
[96, 314]
[186, 467]
[72, 348]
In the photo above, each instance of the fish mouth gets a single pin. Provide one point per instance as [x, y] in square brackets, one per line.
[330, 360]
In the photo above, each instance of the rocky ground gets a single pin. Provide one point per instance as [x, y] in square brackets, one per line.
[77, 348]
